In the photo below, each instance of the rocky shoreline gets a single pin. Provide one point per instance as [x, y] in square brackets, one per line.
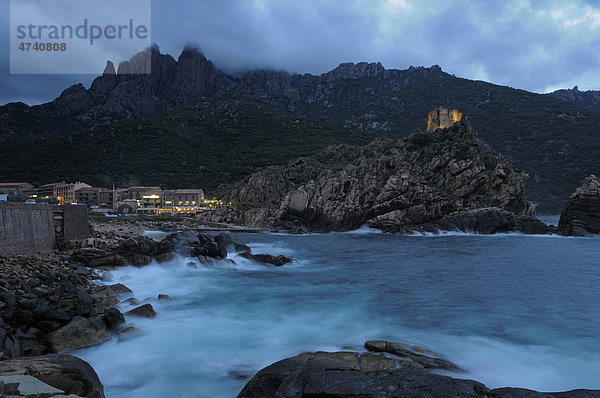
[53, 304]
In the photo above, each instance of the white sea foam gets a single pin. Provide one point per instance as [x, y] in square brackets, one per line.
[228, 320]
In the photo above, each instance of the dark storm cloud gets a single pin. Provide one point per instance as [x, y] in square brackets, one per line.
[536, 46]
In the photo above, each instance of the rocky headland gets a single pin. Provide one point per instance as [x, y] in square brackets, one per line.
[387, 369]
[447, 180]
[581, 214]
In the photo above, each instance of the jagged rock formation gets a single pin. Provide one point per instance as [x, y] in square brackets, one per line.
[148, 82]
[110, 69]
[393, 185]
[581, 213]
[587, 99]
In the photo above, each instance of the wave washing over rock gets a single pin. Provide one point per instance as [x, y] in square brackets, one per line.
[425, 182]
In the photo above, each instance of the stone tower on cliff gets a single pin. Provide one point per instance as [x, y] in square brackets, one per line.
[442, 117]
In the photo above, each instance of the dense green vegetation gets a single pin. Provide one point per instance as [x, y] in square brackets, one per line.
[217, 141]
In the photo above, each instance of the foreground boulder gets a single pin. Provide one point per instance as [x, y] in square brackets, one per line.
[356, 375]
[63, 372]
[581, 214]
[350, 374]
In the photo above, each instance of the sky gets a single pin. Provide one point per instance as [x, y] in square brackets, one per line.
[538, 46]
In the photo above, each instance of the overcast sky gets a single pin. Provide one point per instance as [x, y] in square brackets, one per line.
[534, 45]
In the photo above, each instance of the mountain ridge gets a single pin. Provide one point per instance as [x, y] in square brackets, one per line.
[114, 97]
[556, 142]
[587, 99]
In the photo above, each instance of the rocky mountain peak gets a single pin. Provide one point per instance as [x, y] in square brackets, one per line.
[350, 70]
[110, 69]
[139, 64]
[588, 99]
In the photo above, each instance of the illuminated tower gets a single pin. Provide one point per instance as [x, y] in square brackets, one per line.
[442, 117]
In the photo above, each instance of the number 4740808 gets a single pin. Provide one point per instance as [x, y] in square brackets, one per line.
[43, 46]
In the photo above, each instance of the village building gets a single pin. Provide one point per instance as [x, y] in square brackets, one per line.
[89, 195]
[65, 193]
[46, 191]
[14, 188]
[138, 192]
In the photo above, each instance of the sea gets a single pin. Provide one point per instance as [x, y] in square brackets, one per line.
[510, 309]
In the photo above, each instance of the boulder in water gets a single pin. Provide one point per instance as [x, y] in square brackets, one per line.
[145, 311]
[267, 258]
[581, 213]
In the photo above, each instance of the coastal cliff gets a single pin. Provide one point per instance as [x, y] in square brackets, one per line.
[393, 185]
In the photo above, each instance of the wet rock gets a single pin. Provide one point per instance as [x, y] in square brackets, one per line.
[164, 257]
[351, 374]
[190, 244]
[78, 333]
[210, 249]
[111, 260]
[343, 374]
[146, 311]
[267, 258]
[204, 260]
[581, 213]
[129, 333]
[422, 356]
[164, 297]
[132, 301]
[480, 221]
[529, 225]
[120, 289]
[164, 246]
[231, 244]
[112, 318]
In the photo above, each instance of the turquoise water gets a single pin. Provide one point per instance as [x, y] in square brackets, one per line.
[513, 310]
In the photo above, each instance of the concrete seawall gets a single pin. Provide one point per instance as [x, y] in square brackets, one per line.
[33, 228]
